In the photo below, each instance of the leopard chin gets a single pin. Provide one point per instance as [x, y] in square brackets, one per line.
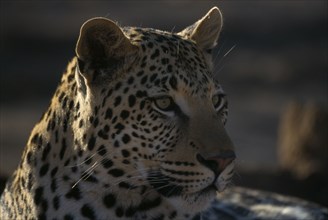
[201, 200]
[225, 177]
[194, 203]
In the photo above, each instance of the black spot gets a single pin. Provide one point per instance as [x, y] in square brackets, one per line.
[30, 181]
[63, 149]
[169, 68]
[53, 185]
[91, 118]
[126, 138]
[38, 195]
[119, 126]
[107, 163]
[165, 61]
[46, 151]
[173, 82]
[144, 80]
[64, 102]
[119, 211]
[74, 193]
[56, 136]
[114, 120]
[56, 202]
[109, 200]
[118, 86]
[65, 124]
[116, 172]
[103, 134]
[102, 150]
[109, 113]
[140, 94]
[153, 77]
[71, 104]
[196, 217]
[87, 211]
[159, 217]
[132, 100]
[117, 101]
[54, 171]
[91, 143]
[124, 114]
[74, 169]
[130, 80]
[96, 122]
[91, 179]
[152, 68]
[70, 78]
[125, 153]
[124, 185]
[106, 128]
[44, 205]
[109, 93]
[88, 160]
[29, 157]
[142, 105]
[35, 139]
[150, 45]
[42, 216]
[155, 54]
[149, 204]
[44, 169]
[68, 217]
[60, 98]
[116, 144]
[140, 73]
[130, 211]
[173, 215]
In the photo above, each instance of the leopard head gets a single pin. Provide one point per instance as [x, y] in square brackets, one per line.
[153, 113]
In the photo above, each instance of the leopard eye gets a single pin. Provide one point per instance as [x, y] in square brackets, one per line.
[218, 101]
[164, 103]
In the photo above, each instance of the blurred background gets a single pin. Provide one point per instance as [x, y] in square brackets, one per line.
[271, 60]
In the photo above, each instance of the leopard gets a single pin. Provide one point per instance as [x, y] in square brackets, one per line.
[134, 130]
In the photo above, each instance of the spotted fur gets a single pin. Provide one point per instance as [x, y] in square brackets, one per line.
[134, 130]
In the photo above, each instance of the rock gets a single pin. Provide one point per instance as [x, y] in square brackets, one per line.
[241, 203]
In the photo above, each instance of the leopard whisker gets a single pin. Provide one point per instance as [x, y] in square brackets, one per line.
[86, 174]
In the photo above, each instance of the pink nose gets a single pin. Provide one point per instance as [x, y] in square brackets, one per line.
[222, 163]
[219, 162]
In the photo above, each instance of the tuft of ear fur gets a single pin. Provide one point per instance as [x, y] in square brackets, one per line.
[102, 45]
[205, 31]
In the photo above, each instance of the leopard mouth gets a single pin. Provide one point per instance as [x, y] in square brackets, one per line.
[222, 180]
[168, 186]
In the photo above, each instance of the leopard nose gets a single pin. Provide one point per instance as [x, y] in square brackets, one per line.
[219, 162]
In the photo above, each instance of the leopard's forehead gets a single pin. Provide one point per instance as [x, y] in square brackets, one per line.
[172, 61]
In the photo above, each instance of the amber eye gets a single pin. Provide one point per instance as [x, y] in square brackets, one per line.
[164, 103]
[217, 101]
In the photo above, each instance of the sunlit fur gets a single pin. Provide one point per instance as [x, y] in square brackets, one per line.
[103, 150]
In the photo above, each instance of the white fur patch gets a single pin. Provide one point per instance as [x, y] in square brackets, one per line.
[224, 178]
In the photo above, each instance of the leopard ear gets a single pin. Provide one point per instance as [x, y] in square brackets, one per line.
[102, 44]
[205, 32]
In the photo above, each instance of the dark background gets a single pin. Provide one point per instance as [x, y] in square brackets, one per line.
[279, 56]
